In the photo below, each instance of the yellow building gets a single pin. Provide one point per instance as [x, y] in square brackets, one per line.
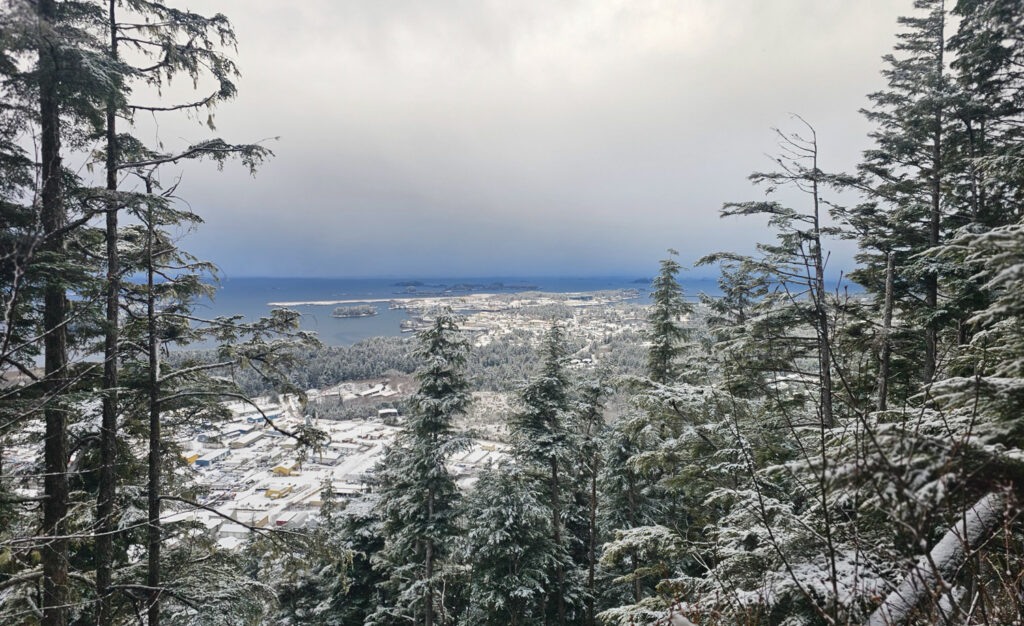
[275, 494]
[287, 468]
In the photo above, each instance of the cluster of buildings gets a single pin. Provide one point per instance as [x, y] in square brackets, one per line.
[256, 476]
[491, 317]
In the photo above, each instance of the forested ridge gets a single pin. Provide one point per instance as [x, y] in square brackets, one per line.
[790, 453]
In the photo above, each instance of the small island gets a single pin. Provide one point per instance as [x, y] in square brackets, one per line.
[361, 310]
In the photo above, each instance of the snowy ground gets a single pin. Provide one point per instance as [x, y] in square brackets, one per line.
[256, 477]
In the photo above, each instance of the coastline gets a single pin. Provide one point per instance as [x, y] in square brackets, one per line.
[402, 299]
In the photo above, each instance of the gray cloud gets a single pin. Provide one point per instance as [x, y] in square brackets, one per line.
[530, 137]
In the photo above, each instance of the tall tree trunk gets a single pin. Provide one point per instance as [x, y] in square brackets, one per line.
[153, 534]
[108, 428]
[556, 520]
[631, 517]
[886, 351]
[55, 307]
[428, 610]
[592, 548]
[821, 312]
[931, 338]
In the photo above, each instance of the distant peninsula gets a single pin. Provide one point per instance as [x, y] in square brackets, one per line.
[361, 310]
[444, 289]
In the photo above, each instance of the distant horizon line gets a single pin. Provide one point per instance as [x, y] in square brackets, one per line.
[405, 277]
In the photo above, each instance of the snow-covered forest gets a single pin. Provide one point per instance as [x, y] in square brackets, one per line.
[791, 452]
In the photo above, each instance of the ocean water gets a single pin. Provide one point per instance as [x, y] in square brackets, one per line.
[250, 297]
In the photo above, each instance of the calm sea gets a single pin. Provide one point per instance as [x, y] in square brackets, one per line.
[250, 297]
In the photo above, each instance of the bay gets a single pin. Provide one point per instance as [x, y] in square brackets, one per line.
[251, 297]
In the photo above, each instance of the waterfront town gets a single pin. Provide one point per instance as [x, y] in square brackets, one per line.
[256, 477]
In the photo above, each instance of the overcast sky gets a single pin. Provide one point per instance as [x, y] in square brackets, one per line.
[520, 137]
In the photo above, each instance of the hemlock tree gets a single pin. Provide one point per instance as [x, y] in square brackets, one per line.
[311, 579]
[79, 91]
[795, 311]
[629, 495]
[907, 169]
[184, 393]
[629, 480]
[418, 499]
[161, 42]
[738, 360]
[49, 81]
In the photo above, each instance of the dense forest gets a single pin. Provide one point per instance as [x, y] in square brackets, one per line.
[496, 366]
[800, 456]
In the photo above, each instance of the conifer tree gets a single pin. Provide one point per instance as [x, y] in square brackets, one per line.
[418, 497]
[666, 333]
[798, 298]
[542, 444]
[510, 546]
[589, 422]
[362, 528]
[908, 169]
[630, 496]
[740, 360]
[53, 217]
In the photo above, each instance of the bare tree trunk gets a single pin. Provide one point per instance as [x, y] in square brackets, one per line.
[886, 352]
[108, 428]
[55, 455]
[153, 534]
[819, 295]
[926, 580]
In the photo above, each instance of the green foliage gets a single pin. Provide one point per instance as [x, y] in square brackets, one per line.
[509, 547]
[667, 334]
[418, 500]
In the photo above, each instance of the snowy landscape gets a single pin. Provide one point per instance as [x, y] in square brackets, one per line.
[546, 312]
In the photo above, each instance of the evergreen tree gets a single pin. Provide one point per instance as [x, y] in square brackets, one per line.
[310, 579]
[49, 81]
[667, 335]
[419, 501]
[629, 495]
[542, 444]
[740, 360]
[797, 303]
[363, 535]
[909, 169]
[510, 546]
[589, 423]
